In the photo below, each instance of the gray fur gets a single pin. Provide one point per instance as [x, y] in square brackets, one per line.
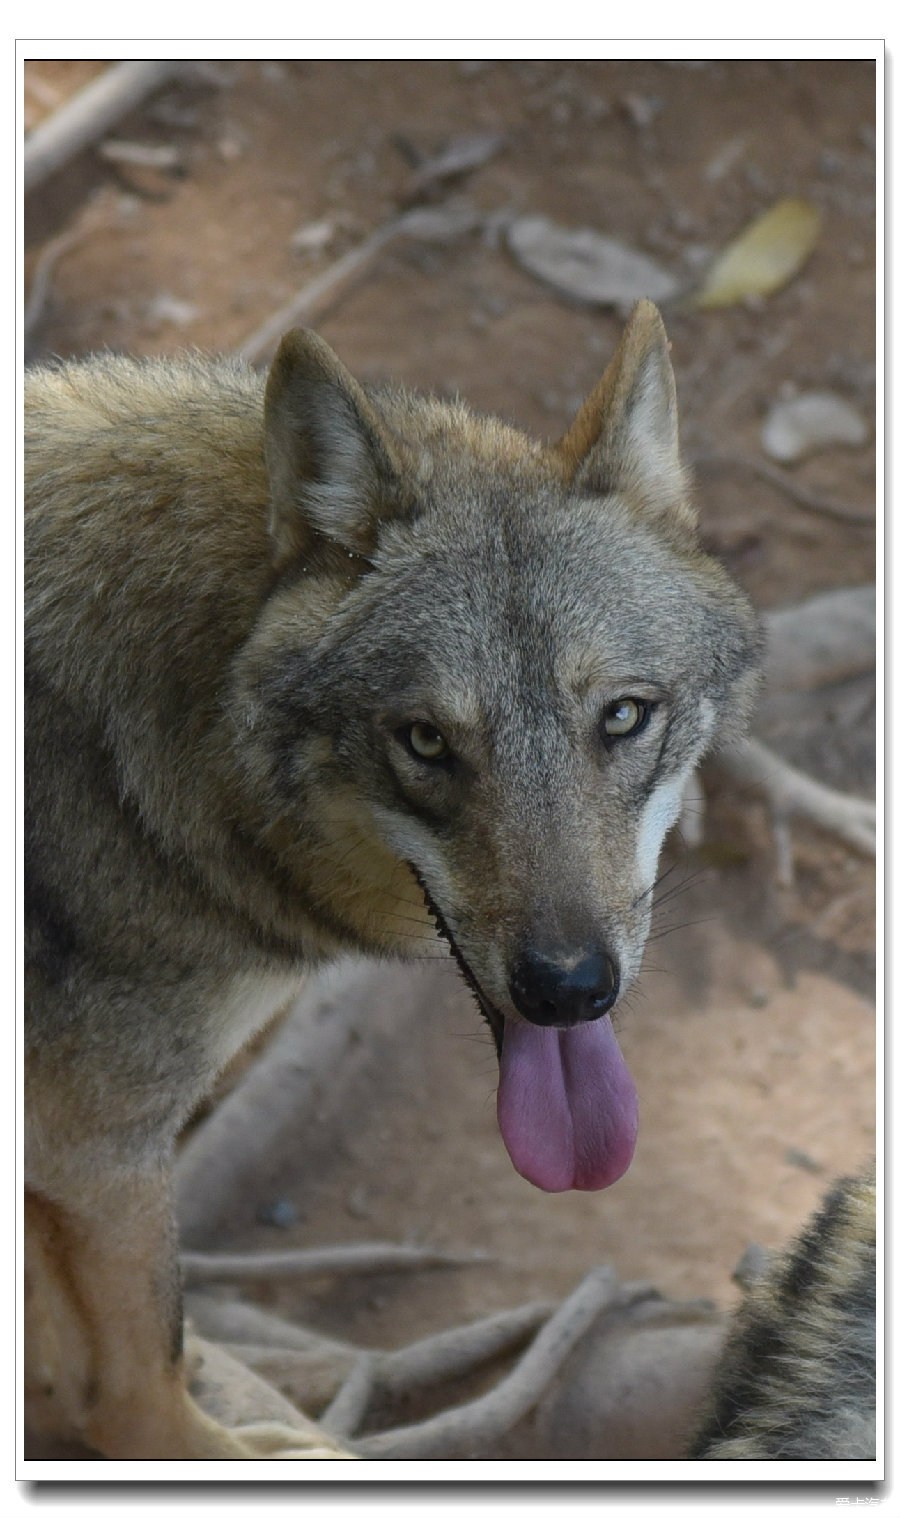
[239, 597]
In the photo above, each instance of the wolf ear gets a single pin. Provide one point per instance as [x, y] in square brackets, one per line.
[625, 437]
[329, 461]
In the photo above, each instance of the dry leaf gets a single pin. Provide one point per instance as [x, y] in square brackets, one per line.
[765, 256]
[587, 266]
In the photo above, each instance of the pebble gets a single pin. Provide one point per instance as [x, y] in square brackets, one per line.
[280, 1214]
[752, 1265]
[808, 423]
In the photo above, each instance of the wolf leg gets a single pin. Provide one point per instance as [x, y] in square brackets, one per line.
[104, 1358]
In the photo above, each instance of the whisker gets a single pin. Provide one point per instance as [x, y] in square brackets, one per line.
[654, 884]
[399, 933]
[690, 879]
[661, 933]
[404, 918]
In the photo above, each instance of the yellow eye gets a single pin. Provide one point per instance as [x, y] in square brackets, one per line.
[426, 742]
[626, 716]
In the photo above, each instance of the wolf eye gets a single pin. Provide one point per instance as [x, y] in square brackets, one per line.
[625, 717]
[426, 742]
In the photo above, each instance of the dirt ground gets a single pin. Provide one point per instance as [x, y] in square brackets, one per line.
[752, 1033]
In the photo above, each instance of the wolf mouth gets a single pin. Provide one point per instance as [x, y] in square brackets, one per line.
[492, 1015]
[566, 1103]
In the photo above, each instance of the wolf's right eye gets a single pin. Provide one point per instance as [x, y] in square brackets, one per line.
[624, 717]
[425, 741]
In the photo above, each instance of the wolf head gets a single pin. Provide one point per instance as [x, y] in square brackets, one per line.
[475, 695]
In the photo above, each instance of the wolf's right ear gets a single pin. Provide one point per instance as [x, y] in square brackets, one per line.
[625, 436]
[330, 464]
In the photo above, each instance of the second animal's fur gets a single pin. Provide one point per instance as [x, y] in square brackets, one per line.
[796, 1381]
[311, 667]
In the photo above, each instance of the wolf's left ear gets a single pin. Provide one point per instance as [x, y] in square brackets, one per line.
[625, 437]
[330, 463]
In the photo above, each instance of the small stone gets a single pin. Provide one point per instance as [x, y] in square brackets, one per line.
[752, 1266]
[358, 1203]
[229, 148]
[641, 110]
[278, 1215]
[802, 1161]
[314, 237]
[795, 429]
[165, 308]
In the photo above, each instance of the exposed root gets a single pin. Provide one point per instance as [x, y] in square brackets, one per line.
[791, 793]
[454, 1352]
[225, 1163]
[452, 1434]
[235, 1396]
[825, 639]
[340, 1260]
[348, 1408]
[335, 1381]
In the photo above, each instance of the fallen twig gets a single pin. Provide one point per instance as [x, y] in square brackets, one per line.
[301, 307]
[84, 118]
[437, 224]
[460, 156]
[49, 257]
[810, 500]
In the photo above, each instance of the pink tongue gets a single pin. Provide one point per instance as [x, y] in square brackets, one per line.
[566, 1105]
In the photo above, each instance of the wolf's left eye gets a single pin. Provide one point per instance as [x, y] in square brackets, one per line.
[426, 742]
[623, 718]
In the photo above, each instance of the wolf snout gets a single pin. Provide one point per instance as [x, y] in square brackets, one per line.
[556, 995]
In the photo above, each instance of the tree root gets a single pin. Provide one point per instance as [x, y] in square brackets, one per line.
[234, 1395]
[791, 793]
[451, 1435]
[227, 1378]
[339, 1260]
[826, 640]
[335, 1381]
[225, 1163]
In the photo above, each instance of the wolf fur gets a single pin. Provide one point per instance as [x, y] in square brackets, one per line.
[311, 667]
[796, 1380]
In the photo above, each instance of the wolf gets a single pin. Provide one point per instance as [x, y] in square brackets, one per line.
[797, 1377]
[313, 666]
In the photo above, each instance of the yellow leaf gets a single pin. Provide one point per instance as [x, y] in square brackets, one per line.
[767, 254]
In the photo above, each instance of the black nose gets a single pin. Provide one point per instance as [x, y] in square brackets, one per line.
[556, 995]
